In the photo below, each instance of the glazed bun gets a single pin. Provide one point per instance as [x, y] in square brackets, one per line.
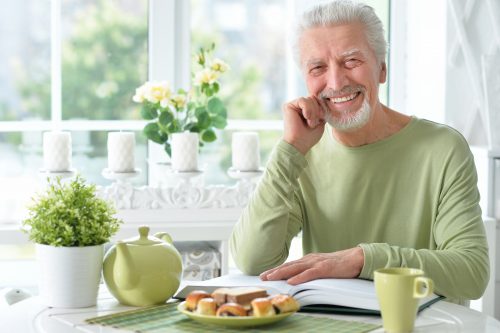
[262, 307]
[231, 310]
[285, 303]
[194, 297]
[206, 307]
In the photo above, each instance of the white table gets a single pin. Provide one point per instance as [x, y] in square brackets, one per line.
[32, 316]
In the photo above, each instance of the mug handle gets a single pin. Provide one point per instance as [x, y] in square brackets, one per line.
[419, 284]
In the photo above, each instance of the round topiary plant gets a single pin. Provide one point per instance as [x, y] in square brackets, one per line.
[70, 214]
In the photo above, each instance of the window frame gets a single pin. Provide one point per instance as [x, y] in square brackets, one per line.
[169, 59]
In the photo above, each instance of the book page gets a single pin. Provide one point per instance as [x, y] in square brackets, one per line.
[355, 293]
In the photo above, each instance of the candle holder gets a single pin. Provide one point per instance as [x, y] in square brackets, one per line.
[245, 184]
[245, 175]
[186, 175]
[120, 177]
[54, 174]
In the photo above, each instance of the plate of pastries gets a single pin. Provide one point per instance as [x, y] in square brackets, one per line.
[238, 307]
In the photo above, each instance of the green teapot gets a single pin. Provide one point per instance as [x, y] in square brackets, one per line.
[143, 270]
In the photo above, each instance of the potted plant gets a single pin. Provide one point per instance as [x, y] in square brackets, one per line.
[198, 110]
[70, 225]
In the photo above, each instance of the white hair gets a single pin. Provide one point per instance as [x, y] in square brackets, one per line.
[342, 12]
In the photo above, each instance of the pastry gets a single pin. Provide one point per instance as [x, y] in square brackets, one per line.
[206, 306]
[194, 297]
[244, 295]
[262, 307]
[231, 310]
[285, 303]
[219, 295]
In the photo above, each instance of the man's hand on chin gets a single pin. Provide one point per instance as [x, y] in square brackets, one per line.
[341, 264]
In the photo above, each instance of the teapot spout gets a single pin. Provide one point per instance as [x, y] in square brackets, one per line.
[125, 275]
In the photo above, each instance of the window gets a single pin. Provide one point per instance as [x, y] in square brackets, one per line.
[69, 65]
[74, 65]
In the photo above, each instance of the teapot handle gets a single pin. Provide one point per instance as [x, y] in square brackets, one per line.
[165, 237]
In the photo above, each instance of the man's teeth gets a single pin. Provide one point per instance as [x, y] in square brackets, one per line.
[344, 99]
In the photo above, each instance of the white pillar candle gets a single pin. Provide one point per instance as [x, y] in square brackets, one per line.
[245, 151]
[56, 151]
[184, 151]
[121, 148]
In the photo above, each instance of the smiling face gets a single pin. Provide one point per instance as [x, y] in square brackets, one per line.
[342, 70]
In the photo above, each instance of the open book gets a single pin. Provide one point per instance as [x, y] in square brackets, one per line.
[323, 295]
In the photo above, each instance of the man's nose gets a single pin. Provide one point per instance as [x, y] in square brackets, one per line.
[337, 79]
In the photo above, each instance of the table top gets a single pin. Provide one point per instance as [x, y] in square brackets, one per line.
[31, 315]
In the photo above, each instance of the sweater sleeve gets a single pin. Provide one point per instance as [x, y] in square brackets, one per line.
[261, 238]
[458, 261]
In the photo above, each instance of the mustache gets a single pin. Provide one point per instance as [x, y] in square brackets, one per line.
[332, 93]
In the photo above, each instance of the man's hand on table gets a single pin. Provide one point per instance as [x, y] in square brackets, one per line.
[341, 264]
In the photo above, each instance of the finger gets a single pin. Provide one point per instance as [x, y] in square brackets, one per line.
[319, 115]
[263, 275]
[287, 272]
[311, 110]
[323, 107]
[312, 273]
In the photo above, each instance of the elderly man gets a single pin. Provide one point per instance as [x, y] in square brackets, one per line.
[368, 187]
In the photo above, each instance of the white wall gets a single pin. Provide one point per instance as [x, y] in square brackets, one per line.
[418, 56]
[436, 51]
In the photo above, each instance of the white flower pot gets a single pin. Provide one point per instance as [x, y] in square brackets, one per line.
[69, 276]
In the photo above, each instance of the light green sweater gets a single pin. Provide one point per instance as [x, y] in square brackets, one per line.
[409, 200]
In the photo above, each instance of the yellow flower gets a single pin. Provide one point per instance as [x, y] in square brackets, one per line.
[219, 66]
[205, 76]
[139, 94]
[178, 101]
[156, 92]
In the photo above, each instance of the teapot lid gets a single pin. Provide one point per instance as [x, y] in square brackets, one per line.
[143, 238]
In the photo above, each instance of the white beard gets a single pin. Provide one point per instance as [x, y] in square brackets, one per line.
[349, 120]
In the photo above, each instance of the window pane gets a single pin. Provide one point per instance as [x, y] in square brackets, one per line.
[22, 159]
[25, 60]
[250, 37]
[104, 57]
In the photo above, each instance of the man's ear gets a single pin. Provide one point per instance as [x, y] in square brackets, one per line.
[383, 73]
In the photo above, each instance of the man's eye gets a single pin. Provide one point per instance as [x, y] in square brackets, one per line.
[351, 63]
[315, 69]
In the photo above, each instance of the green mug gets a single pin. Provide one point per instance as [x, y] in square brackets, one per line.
[398, 292]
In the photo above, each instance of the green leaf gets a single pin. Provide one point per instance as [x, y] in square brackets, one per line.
[193, 127]
[219, 122]
[204, 120]
[70, 214]
[208, 135]
[216, 106]
[148, 112]
[209, 91]
[174, 126]
[168, 148]
[152, 132]
[199, 110]
[204, 87]
[166, 117]
[215, 87]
